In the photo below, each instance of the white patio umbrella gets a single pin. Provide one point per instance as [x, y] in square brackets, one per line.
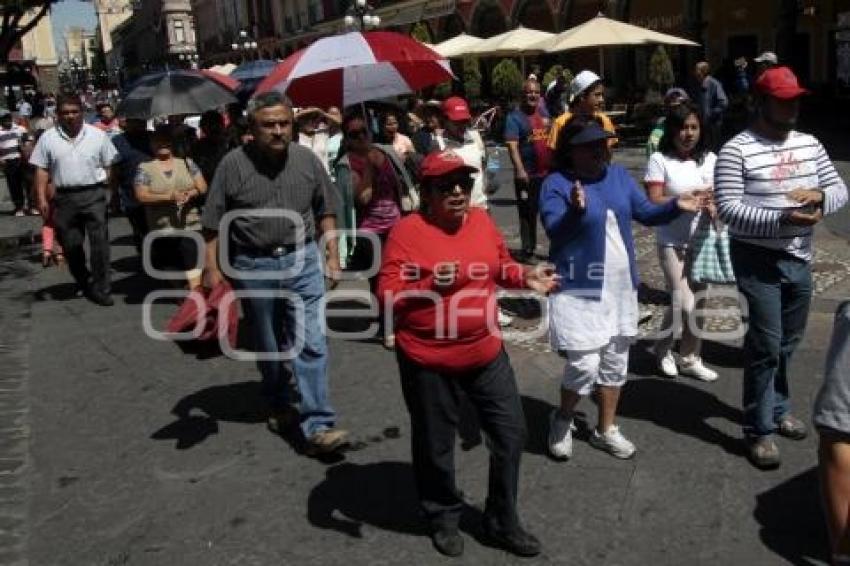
[604, 32]
[457, 46]
[519, 41]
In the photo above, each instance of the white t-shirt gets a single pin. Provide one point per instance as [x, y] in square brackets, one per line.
[73, 162]
[679, 177]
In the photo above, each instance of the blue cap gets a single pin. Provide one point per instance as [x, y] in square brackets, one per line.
[590, 133]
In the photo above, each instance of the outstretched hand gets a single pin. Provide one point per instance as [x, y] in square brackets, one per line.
[542, 278]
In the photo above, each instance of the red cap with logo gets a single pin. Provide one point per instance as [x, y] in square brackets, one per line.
[456, 109]
[442, 163]
[780, 82]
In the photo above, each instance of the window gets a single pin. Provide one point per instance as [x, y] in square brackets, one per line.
[179, 32]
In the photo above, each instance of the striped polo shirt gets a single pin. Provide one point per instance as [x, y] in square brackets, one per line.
[10, 142]
[753, 177]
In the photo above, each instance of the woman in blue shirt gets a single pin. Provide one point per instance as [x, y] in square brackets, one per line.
[587, 207]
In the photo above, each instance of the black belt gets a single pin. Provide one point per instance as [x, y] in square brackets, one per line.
[274, 251]
[79, 188]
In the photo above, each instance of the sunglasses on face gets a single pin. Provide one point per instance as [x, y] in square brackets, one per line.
[447, 186]
[354, 134]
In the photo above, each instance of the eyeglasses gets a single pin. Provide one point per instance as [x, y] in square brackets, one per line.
[356, 133]
[447, 186]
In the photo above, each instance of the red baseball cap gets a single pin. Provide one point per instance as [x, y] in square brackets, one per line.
[442, 163]
[456, 109]
[780, 82]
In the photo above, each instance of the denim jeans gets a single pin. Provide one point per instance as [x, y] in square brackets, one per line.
[434, 402]
[278, 324]
[778, 288]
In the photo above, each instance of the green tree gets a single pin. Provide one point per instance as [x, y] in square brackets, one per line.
[12, 29]
[471, 78]
[661, 69]
[507, 79]
[420, 32]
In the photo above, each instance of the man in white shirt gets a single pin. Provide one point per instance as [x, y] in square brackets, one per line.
[314, 135]
[464, 141]
[772, 185]
[78, 159]
[10, 161]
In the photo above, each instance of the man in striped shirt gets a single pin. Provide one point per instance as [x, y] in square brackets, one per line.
[773, 185]
[10, 161]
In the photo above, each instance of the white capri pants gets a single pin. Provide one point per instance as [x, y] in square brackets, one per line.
[606, 366]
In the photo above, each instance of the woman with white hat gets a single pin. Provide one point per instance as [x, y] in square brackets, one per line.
[587, 98]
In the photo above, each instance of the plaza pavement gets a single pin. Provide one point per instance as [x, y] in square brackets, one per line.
[117, 449]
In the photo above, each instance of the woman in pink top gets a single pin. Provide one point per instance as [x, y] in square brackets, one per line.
[377, 199]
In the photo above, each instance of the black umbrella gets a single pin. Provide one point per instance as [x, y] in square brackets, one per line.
[173, 92]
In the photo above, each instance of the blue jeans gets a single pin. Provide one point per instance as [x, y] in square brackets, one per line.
[277, 324]
[778, 288]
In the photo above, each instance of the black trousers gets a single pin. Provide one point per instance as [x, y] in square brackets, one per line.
[138, 223]
[528, 205]
[433, 400]
[15, 180]
[77, 214]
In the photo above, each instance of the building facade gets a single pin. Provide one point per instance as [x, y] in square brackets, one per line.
[37, 55]
[159, 34]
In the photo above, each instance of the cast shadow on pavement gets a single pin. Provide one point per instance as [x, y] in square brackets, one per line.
[381, 495]
[198, 414]
[792, 520]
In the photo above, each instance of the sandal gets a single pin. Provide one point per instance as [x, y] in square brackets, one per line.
[59, 259]
[46, 259]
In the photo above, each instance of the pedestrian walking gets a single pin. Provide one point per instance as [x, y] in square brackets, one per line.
[587, 99]
[11, 165]
[373, 185]
[832, 419]
[682, 164]
[527, 136]
[170, 188]
[107, 120]
[208, 151]
[587, 206]
[464, 141]
[313, 133]
[765, 61]
[672, 98]
[447, 257]
[134, 147]
[391, 135]
[78, 158]
[713, 102]
[273, 173]
[773, 185]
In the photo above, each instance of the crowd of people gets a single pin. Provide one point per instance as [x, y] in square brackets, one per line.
[358, 192]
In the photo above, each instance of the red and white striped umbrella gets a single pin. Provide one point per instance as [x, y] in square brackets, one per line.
[342, 70]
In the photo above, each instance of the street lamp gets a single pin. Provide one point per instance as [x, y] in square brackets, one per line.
[244, 43]
[360, 17]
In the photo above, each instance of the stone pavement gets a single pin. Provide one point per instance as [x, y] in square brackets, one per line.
[141, 452]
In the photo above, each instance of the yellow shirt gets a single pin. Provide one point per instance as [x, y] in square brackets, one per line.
[559, 122]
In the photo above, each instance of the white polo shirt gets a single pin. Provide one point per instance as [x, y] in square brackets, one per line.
[75, 161]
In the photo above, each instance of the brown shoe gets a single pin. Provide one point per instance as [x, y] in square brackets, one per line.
[326, 441]
[791, 427]
[763, 453]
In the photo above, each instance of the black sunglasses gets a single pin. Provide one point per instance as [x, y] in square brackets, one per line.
[359, 133]
[447, 186]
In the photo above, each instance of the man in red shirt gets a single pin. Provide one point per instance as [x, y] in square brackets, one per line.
[527, 137]
[438, 281]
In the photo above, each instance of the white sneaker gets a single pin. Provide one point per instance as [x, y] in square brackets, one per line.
[613, 442]
[505, 319]
[560, 436]
[695, 368]
[667, 365]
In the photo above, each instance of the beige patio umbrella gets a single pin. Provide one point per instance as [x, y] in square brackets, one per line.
[458, 46]
[225, 69]
[519, 41]
[604, 32]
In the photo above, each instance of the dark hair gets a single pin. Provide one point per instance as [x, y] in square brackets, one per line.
[67, 99]
[350, 117]
[163, 132]
[211, 120]
[562, 155]
[673, 124]
[101, 105]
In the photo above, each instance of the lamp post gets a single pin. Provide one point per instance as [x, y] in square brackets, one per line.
[244, 44]
[361, 17]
